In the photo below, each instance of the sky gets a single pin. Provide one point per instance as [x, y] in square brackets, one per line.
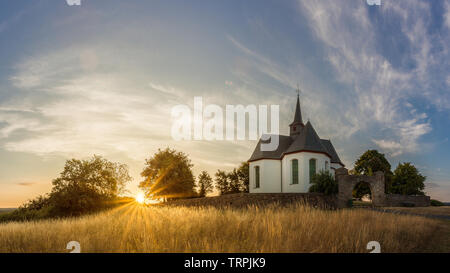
[101, 78]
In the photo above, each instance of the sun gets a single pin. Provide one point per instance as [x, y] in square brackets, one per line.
[140, 198]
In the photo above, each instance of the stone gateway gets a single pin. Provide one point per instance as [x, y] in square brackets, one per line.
[376, 183]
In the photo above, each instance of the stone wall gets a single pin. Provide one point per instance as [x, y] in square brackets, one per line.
[398, 200]
[347, 183]
[240, 200]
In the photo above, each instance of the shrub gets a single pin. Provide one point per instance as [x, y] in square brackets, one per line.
[436, 203]
[350, 203]
[324, 182]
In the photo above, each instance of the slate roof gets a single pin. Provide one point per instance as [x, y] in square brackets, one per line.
[331, 151]
[284, 143]
[305, 140]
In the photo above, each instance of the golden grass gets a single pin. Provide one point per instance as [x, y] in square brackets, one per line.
[135, 228]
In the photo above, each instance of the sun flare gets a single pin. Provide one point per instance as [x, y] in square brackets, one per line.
[140, 198]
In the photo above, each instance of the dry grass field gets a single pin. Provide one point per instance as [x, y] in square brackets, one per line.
[136, 228]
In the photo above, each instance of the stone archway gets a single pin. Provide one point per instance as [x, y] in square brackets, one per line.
[347, 182]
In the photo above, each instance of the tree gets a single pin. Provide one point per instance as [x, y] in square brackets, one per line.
[168, 174]
[222, 184]
[205, 184]
[407, 180]
[324, 182]
[85, 185]
[362, 189]
[370, 162]
[234, 182]
[244, 177]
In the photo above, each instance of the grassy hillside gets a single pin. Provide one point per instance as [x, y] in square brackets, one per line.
[135, 228]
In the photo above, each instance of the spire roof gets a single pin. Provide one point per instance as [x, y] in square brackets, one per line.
[298, 112]
[307, 140]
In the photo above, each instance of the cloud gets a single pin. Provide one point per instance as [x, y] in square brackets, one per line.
[351, 42]
[85, 110]
[62, 106]
[447, 14]
[26, 184]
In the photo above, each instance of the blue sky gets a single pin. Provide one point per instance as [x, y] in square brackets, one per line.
[101, 78]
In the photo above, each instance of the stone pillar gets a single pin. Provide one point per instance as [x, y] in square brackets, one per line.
[344, 187]
[378, 188]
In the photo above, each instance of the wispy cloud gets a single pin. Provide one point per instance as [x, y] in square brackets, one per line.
[381, 89]
[26, 184]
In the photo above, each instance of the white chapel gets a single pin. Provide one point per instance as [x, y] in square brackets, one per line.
[290, 167]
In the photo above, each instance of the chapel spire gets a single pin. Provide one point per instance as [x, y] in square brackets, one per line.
[297, 124]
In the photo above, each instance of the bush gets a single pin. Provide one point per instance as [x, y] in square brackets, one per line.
[324, 182]
[436, 203]
[350, 203]
[24, 214]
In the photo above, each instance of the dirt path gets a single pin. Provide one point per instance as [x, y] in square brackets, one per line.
[429, 212]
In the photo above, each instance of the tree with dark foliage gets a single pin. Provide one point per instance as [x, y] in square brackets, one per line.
[233, 182]
[85, 185]
[244, 176]
[222, 184]
[204, 184]
[168, 174]
[407, 180]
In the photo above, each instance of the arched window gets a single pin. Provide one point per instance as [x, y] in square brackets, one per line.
[312, 168]
[294, 168]
[257, 182]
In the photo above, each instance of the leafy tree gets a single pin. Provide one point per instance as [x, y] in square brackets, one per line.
[205, 184]
[234, 183]
[222, 183]
[324, 182]
[36, 204]
[407, 180]
[98, 174]
[370, 162]
[168, 174]
[244, 176]
[361, 189]
[85, 185]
